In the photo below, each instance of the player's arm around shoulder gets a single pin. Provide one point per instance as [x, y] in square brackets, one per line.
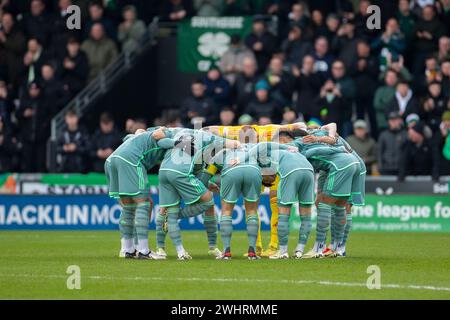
[332, 133]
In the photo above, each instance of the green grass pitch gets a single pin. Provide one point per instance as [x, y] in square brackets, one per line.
[33, 265]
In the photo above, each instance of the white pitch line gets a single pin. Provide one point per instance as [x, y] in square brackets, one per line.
[294, 282]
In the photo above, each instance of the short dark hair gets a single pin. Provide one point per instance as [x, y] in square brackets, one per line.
[362, 41]
[35, 39]
[73, 40]
[49, 64]
[141, 120]
[339, 61]
[227, 108]
[71, 112]
[299, 133]
[404, 82]
[235, 38]
[96, 3]
[197, 81]
[284, 133]
[106, 117]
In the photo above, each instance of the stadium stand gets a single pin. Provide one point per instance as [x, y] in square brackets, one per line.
[388, 90]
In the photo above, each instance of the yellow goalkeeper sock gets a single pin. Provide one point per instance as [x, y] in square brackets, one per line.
[274, 223]
[258, 239]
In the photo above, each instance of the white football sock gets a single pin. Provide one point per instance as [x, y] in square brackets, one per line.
[300, 247]
[143, 246]
[180, 249]
[127, 245]
[318, 247]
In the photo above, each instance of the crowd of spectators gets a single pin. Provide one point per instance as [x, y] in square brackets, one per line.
[80, 151]
[325, 65]
[387, 89]
[44, 64]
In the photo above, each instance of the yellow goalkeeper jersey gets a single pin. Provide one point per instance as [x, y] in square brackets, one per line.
[265, 133]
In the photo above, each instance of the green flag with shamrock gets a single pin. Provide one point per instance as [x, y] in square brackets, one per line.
[201, 41]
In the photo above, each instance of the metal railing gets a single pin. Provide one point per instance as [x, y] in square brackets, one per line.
[106, 79]
[98, 87]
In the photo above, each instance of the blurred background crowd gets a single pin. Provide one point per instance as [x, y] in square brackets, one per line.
[387, 89]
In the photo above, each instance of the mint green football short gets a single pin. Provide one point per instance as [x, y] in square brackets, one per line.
[297, 187]
[174, 187]
[359, 190]
[241, 180]
[340, 183]
[124, 179]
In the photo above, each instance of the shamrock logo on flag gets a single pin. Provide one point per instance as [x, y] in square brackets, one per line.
[213, 45]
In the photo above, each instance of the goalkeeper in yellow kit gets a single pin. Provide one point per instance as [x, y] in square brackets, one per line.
[255, 134]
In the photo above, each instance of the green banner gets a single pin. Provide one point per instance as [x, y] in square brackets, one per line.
[201, 41]
[402, 213]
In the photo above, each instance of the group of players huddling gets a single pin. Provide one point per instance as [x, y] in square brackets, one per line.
[249, 158]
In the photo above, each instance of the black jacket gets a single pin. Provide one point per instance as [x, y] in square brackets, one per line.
[281, 92]
[167, 8]
[8, 152]
[446, 86]
[204, 107]
[345, 48]
[361, 29]
[308, 88]
[335, 110]
[37, 66]
[296, 50]
[73, 161]
[60, 34]
[435, 28]
[433, 117]
[413, 106]
[37, 127]
[6, 108]
[54, 95]
[366, 80]
[102, 140]
[419, 160]
[243, 91]
[269, 45]
[38, 27]
[76, 78]
[269, 108]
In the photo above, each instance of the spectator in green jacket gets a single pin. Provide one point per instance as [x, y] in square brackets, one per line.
[363, 144]
[443, 137]
[445, 131]
[390, 44]
[100, 49]
[383, 96]
[406, 20]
